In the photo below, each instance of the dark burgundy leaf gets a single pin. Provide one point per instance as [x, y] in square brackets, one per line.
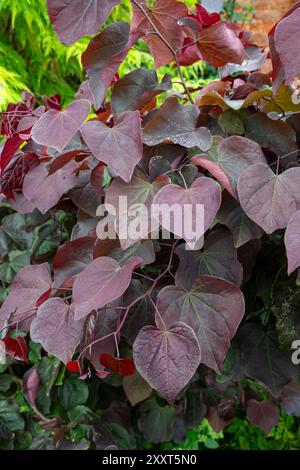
[44, 190]
[268, 199]
[31, 382]
[263, 360]
[167, 358]
[264, 414]
[120, 147]
[73, 19]
[13, 176]
[101, 282]
[178, 124]
[8, 151]
[136, 388]
[29, 285]
[56, 329]
[214, 309]
[56, 128]
[242, 228]
[204, 191]
[71, 258]
[218, 258]
[136, 89]
[218, 45]
[290, 398]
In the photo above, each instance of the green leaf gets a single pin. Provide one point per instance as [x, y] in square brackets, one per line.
[74, 392]
[10, 417]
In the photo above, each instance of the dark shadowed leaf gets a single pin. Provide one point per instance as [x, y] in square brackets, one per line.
[292, 242]
[71, 258]
[45, 191]
[167, 358]
[264, 360]
[156, 422]
[277, 135]
[268, 199]
[178, 124]
[28, 286]
[264, 414]
[119, 147]
[74, 19]
[290, 398]
[55, 328]
[232, 156]
[136, 89]
[214, 309]
[136, 388]
[73, 392]
[56, 128]
[242, 228]
[218, 258]
[101, 282]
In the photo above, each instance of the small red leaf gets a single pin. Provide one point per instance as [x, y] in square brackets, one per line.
[122, 367]
[73, 366]
[16, 348]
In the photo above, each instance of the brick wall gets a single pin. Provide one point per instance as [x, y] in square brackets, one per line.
[267, 14]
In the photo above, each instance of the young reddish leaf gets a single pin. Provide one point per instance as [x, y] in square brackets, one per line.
[28, 286]
[178, 124]
[56, 128]
[56, 329]
[9, 149]
[263, 360]
[136, 388]
[242, 228]
[73, 19]
[73, 366]
[230, 156]
[264, 414]
[31, 382]
[218, 258]
[62, 160]
[136, 89]
[71, 258]
[44, 190]
[16, 348]
[204, 17]
[140, 190]
[123, 367]
[268, 199]
[218, 45]
[164, 14]
[103, 281]
[13, 176]
[204, 191]
[119, 147]
[292, 242]
[167, 358]
[97, 326]
[214, 309]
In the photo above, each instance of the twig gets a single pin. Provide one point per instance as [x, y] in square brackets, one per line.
[168, 45]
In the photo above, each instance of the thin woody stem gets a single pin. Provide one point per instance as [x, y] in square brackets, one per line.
[168, 45]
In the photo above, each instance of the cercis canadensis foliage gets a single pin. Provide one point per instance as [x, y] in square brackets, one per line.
[150, 310]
